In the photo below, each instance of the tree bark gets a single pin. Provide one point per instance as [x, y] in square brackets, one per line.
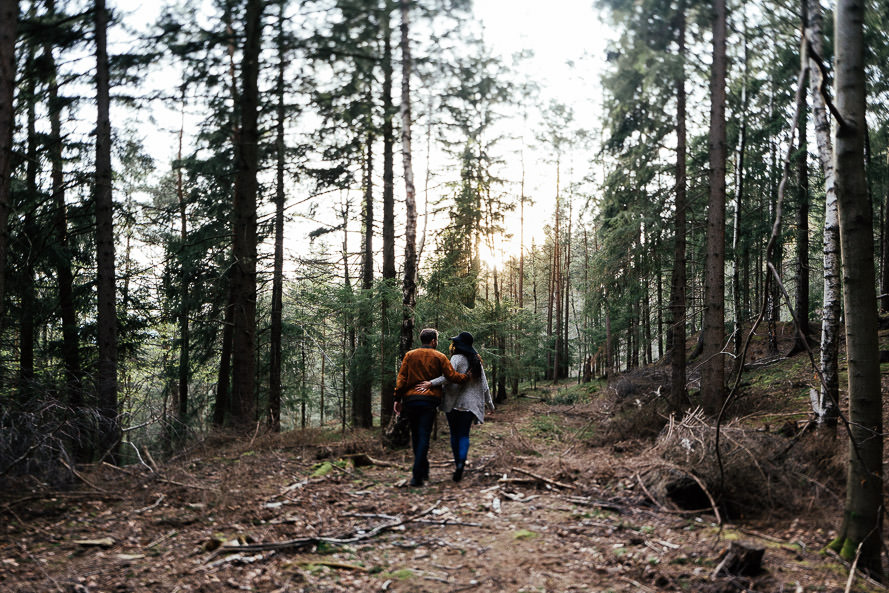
[244, 240]
[557, 283]
[828, 405]
[409, 286]
[28, 204]
[276, 329]
[106, 314]
[362, 376]
[64, 274]
[801, 302]
[678, 392]
[861, 530]
[9, 13]
[224, 407]
[713, 366]
[387, 355]
[184, 346]
[737, 254]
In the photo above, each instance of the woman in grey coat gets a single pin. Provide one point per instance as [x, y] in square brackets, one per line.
[464, 405]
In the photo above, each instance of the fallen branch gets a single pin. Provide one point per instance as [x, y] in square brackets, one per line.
[852, 570]
[639, 586]
[82, 478]
[302, 542]
[152, 464]
[543, 479]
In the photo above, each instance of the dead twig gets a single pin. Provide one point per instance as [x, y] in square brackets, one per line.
[157, 502]
[854, 566]
[639, 586]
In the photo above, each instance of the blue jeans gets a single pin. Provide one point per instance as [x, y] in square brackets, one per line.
[420, 415]
[459, 422]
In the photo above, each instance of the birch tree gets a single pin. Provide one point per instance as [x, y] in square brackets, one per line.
[409, 285]
[826, 404]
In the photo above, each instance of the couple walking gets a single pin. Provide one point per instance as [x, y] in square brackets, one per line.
[428, 381]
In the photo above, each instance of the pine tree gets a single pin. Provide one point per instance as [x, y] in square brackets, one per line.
[860, 534]
[713, 367]
[245, 227]
[9, 15]
[106, 380]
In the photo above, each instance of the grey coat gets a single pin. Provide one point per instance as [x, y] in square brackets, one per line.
[471, 396]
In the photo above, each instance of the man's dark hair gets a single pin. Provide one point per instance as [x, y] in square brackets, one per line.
[427, 335]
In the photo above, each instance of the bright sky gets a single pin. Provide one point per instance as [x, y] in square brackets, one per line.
[568, 40]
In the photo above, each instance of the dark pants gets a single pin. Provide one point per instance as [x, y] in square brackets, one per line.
[460, 422]
[420, 415]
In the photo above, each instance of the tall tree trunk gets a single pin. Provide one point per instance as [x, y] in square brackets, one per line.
[244, 240]
[9, 14]
[713, 366]
[659, 305]
[678, 392]
[276, 329]
[861, 530]
[362, 376]
[409, 287]
[773, 296]
[557, 284]
[185, 270]
[884, 254]
[224, 407]
[521, 289]
[737, 255]
[827, 409]
[802, 219]
[348, 317]
[387, 355]
[223, 404]
[550, 308]
[609, 345]
[567, 290]
[28, 203]
[64, 274]
[106, 320]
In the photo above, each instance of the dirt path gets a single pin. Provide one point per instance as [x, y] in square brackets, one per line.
[500, 529]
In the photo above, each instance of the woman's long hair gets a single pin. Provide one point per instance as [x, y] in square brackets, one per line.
[458, 346]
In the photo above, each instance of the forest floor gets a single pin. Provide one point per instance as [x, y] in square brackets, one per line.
[559, 496]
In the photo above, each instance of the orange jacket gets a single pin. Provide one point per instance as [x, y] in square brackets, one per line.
[424, 364]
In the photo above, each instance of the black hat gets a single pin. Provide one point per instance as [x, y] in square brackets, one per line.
[463, 338]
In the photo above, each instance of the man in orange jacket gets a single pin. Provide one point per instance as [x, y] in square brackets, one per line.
[418, 404]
